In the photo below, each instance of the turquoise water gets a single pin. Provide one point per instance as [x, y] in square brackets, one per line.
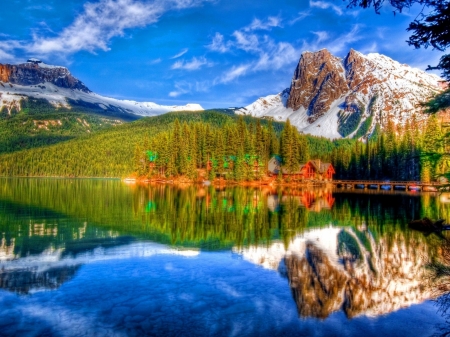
[99, 257]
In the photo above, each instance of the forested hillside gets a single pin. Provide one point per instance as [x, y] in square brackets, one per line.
[232, 147]
[410, 152]
[107, 153]
[38, 123]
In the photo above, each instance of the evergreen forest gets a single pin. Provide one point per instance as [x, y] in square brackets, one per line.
[38, 123]
[216, 144]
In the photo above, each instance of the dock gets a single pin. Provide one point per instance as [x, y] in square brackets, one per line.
[388, 185]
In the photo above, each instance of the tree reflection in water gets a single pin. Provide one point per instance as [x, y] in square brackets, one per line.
[439, 269]
[339, 250]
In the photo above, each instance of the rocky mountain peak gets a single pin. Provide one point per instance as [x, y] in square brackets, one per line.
[349, 97]
[318, 80]
[35, 72]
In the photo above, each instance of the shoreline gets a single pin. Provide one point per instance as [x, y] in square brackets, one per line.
[219, 182]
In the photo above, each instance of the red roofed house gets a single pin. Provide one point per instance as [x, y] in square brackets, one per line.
[313, 170]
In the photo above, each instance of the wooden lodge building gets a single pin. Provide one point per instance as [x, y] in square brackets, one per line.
[312, 170]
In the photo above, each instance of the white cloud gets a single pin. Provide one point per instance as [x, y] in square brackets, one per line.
[300, 16]
[326, 5]
[244, 38]
[184, 87]
[101, 21]
[372, 48]
[218, 44]
[181, 53]
[202, 86]
[280, 55]
[155, 61]
[381, 32]
[6, 48]
[273, 56]
[321, 36]
[247, 42]
[194, 64]
[6, 57]
[178, 92]
[271, 22]
[233, 73]
[270, 55]
[342, 42]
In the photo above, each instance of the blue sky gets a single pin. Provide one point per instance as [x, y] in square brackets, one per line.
[217, 53]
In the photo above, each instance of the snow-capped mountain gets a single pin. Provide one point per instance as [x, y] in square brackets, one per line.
[56, 85]
[335, 97]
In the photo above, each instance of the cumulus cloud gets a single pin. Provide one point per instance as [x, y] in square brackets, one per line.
[101, 21]
[194, 64]
[326, 5]
[181, 53]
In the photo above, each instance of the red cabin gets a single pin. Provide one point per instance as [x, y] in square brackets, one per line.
[312, 170]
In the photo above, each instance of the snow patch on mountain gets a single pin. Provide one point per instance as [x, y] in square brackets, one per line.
[10, 95]
[42, 64]
[274, 107]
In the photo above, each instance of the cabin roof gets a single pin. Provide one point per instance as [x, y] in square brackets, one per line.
[317, 164]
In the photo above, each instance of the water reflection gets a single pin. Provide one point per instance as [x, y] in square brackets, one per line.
[356, 271]
[24, 281]
[338, 251]
[51, 268]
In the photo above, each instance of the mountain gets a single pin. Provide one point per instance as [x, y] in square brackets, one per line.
[336, 98]
[37, 80]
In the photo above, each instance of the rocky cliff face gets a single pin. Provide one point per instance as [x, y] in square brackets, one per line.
[335, 97]
[35, 72]
[318, 81]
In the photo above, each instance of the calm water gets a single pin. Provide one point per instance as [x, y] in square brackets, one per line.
[99, 257]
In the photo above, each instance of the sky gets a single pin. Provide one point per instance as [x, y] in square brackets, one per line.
[217, 53]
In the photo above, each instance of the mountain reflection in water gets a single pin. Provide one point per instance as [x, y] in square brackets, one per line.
[335, 251]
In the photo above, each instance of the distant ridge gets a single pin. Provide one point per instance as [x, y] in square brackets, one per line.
[55, 84]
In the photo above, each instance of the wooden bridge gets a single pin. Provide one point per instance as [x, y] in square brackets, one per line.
[388, 185]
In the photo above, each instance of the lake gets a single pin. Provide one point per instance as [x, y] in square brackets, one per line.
[82, 257]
